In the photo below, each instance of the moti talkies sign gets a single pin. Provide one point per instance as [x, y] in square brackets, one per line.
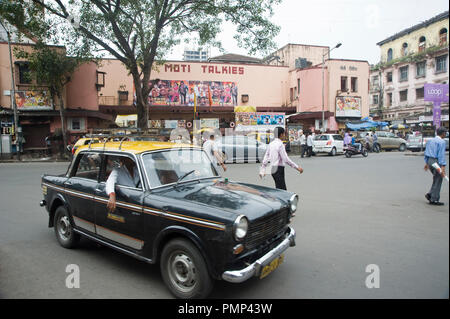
[204, 68]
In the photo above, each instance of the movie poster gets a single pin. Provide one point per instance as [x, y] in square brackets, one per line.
[348, 106]
[181, 93]
[33, 100]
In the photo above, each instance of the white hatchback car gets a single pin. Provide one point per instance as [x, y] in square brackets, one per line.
[328, 143]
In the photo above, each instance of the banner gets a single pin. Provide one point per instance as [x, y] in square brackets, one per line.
[209, 123]
[33, 100]
[258, 121]
[348, 106]
[181, 93]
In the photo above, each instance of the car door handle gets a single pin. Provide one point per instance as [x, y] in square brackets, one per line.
[98, 190]
[165, 208]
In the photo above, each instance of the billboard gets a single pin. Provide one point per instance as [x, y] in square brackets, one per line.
[33, 100]
[181, 93]
[259, 121]
[348, 106]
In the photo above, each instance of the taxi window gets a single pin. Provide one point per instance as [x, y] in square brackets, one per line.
[129, 173]
[88, 166]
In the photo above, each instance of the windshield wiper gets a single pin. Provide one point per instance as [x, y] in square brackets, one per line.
[182, 177]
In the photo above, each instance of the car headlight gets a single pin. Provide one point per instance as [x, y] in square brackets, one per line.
[293, 201]
[240, 227]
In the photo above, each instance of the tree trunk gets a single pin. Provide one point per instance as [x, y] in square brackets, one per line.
[141, 101]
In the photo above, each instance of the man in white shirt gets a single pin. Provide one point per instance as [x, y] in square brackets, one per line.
[211, 149]
[121, 175]
[309, 144]
[278, 158]
[302, 143]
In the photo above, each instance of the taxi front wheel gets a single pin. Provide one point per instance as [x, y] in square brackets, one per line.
[184, 270]
[64, 230]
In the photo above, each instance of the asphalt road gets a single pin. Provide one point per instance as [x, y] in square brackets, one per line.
[353, 213]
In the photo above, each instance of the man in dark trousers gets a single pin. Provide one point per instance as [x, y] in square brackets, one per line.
[435, 153]
[278, 158]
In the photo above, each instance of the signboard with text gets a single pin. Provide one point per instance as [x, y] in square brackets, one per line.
[436, 93]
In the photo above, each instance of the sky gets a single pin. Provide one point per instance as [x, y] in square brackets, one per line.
[358, 24]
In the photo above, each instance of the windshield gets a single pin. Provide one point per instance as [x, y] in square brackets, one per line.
[167, 167]
[322, 138]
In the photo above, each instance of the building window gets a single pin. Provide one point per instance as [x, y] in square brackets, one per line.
[405, 49]
[389, 99]
[422, 43]
[24, 73]
[441, 64]
[389, 77]
[298, 86]
[419, 93]
[389, 55]
[420, 69]
[403, 73]
[375, 99]
[76, 124]
[403, 95]
[375, 81]
[343, 83]
[443, 37]
[354, 84]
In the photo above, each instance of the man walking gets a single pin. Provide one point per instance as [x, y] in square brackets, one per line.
[435, 153]
[302, 143]
[212, 151]
[309, 144]
[278, 158]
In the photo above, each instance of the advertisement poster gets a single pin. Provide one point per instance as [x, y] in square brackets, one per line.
[258, 121]
[155, 124]
[348, 106]
[181, 93]
[209, 123]
[33, 100]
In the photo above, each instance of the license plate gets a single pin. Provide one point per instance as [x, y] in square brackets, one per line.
[271, 267]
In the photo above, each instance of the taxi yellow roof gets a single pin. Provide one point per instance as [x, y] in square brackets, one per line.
[135, 147]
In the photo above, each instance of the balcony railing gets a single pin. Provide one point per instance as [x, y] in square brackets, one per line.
[112, 100]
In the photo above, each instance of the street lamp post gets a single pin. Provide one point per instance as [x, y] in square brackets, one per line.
[323, 84]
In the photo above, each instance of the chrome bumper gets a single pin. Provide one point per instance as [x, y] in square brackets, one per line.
[237, 276]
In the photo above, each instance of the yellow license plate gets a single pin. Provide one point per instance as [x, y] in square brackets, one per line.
[272, 266]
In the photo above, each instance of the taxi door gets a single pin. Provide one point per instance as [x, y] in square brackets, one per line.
[124, 225]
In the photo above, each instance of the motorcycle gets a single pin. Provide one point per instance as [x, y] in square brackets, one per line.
[351, 150]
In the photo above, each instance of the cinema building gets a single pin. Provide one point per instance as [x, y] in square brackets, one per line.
[288, 83]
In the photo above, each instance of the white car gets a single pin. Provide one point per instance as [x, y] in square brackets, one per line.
[328, 143]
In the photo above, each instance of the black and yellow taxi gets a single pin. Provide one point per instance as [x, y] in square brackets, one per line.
[180, 213]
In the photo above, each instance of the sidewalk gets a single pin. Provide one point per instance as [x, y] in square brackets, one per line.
[29, 159]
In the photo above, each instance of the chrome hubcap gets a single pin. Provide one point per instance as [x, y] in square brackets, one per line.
[64, 228]
[182, 271]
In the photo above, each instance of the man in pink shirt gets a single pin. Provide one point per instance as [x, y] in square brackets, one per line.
[278, 158]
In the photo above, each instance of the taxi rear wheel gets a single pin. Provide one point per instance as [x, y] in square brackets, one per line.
[63, 229]
[184, 270]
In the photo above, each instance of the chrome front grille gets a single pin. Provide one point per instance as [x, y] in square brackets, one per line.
[265, 228]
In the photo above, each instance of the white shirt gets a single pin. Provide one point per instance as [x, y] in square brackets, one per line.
[302, 139]
[277, 156]
[210, 147]
[309, 140]
[121, 176]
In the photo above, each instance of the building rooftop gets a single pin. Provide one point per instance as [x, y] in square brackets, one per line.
[439, 17]
[235, 58]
